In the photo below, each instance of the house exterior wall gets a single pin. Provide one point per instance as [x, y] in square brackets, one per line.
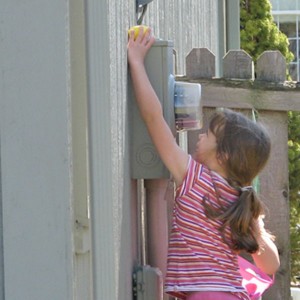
[112, 246]
[52, 80]
[36, 171]
[287, 17]
[188, 23]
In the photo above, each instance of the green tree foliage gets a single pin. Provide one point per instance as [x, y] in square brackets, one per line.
[294, 185]
[258, 30]
[258, 34]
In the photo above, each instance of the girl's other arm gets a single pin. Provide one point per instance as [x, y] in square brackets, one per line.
[267, 258]
[150, 107]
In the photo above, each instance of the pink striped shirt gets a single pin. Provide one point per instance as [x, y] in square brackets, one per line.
[198, 257]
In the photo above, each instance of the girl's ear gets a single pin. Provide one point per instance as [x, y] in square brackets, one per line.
[222, 162]
[222, 158]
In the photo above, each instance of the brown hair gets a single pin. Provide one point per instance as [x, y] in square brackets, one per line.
[243, 147]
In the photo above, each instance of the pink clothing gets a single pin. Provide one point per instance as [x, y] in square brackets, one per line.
[198, 257]
[212, 296]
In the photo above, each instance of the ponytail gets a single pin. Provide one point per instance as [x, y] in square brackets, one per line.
[243, 149]
[240, 217]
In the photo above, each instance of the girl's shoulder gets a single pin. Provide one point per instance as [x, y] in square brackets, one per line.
[196, 173]
[210, 180]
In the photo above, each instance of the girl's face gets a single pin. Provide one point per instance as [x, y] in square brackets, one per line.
[206, 149]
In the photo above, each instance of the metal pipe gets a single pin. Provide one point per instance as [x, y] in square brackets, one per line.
[221, 50]
[142, 222]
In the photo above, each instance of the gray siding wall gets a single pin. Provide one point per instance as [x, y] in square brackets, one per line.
[35, 151]
[40, 84]
[189, 23]
[113, 246]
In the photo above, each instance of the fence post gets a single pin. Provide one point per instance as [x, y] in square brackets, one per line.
[200, 63]
[271, 66]
[274, 193]
[237, 64]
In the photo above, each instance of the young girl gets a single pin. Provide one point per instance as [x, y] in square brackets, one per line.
[217, 213]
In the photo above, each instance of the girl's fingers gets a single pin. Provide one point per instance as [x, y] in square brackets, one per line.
[143, 38]
[143, 35]
[146, 36]
[152, 40]
[131, 35]
[140, 35]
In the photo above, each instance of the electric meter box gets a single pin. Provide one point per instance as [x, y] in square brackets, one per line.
[181, 104]
[145, 162]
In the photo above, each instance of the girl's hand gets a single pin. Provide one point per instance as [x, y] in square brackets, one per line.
[267, 257]
[138, 48]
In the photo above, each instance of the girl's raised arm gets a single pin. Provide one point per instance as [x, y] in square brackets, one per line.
[174, 158]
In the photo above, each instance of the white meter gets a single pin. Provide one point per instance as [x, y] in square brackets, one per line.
[187, 105]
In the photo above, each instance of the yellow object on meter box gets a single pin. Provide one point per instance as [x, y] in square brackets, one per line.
[137, 29]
